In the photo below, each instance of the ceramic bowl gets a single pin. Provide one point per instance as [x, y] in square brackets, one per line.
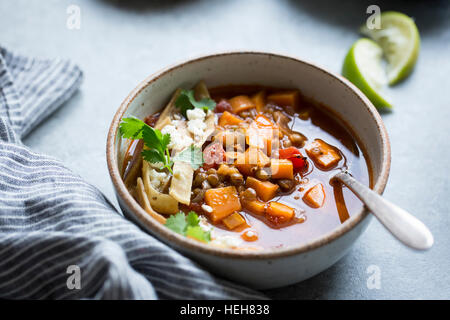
[272, 267]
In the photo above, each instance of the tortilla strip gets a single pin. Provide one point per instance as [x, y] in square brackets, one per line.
[180, 188]
[143, 201]
[183, 173]
[162, 203]
[132, 173]
[201, 92]
[168, 111]
[210, 127]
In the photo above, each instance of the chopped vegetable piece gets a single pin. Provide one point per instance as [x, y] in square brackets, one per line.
[282, 169]
[223, 201]
[249, 235]
[324, 155]
[299, 162]
[260, 133]
[264, 122]
[279, 213]
[254, 206]
[229, 119]
[222, 106]
[288, 98]
[294, 155]
[264, 189]
[288, 152]
[252, 157]
[234, 220]
[259, 100]
[213, 155]
[315, 197]
[241, 103]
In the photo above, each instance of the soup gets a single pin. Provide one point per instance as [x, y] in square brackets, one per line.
[264, 180]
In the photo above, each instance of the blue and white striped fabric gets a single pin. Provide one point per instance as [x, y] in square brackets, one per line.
[51, 219]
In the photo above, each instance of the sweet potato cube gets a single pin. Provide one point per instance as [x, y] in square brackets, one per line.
[260, 133]
[252, 157]
[287, 98]
[228, 118]
[315, 197]
[223, 201]
[279, 213]
[241, 103]
[282, 169]
[264, 189]
[254, 206]
[234, 220]
[324, 155]
[259, 100]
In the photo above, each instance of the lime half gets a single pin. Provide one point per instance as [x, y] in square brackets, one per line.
[400, 41]
[363, 66]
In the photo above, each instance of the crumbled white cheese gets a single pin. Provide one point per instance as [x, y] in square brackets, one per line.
[250, 233]
[196, 113]
[207, 208]
[176, 138]
[204, 224]
[158, 179]
[226, 241]
[196, 127]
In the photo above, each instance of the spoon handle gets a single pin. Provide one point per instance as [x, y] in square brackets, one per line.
[404, 226]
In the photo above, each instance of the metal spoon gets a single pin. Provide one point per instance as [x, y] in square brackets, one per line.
[405, 227]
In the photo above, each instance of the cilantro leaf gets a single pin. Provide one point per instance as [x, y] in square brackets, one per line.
[192, 155]
[131, 128]
[177, 223]
[186, 101]
[153, 156]
[192, 219]
[188, 225]
[198, 233]
[155, 142]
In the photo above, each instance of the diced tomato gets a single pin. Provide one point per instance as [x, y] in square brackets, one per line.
[223, 106]
[293, 154]
[298, 161]
[213, 155]
[288, 152]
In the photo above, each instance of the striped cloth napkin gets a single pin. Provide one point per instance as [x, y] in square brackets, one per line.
[60, 238]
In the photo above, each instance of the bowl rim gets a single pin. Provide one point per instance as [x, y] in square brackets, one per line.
[177, 240]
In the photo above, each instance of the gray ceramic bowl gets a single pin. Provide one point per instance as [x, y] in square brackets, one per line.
[272, 267]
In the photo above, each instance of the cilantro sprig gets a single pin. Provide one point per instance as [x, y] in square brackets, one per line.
[157, 144]
[188, 225]
[186, 101]
[157, 150]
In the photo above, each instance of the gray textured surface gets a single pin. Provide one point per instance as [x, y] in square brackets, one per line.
[119, 45]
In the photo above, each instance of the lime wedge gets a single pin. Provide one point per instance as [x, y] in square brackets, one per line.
[363, 66]
[400, 41]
